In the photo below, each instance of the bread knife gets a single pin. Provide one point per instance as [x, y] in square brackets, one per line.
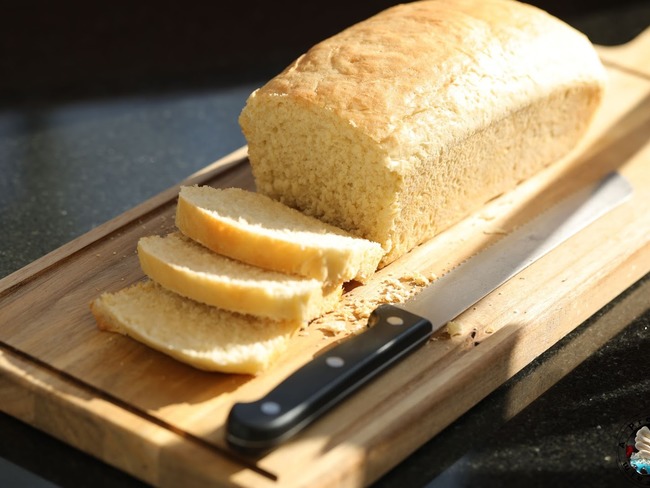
[396, 330]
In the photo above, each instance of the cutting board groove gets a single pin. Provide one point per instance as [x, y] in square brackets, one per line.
[163, 421]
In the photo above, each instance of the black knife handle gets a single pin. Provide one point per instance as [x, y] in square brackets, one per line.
[326, 380]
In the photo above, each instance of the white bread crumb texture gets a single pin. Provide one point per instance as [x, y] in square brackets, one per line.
[355, 307]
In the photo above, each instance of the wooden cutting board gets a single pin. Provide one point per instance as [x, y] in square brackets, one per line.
[163, 422]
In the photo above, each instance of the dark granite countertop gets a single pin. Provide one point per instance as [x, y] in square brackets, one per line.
[101, 109]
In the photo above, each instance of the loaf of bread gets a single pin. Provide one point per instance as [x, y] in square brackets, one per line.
[401, 125]
[189, 269]
[205, 337]
[257, 230]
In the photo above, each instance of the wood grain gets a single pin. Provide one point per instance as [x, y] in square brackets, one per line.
[162, 421]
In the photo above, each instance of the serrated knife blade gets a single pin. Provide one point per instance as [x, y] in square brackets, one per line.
[397, 330]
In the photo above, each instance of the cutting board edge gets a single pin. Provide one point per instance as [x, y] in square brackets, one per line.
[38, 395]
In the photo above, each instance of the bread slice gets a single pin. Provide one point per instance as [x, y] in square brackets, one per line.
[186, 267]
[257, 230]
[401, 125]
[205, 337]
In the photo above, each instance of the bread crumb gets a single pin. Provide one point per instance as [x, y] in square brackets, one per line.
[335, 327]
[454, 328]
[354, 311]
